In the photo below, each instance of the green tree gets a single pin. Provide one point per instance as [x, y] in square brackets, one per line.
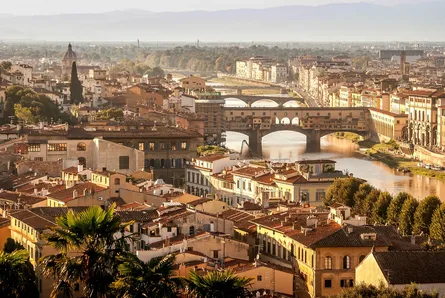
[424, 214]
[76, 89]
[91, 234]
[437, 227]
[17, 276]
[25, 114]
[137, 278]
[370, 291]
[342, 191]
[380, 209]
[369, 202]
[360, 196]
[406, 218]
[218, 284]
[395, 208]
[5, 66]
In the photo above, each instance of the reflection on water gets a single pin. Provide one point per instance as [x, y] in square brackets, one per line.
[291, 146]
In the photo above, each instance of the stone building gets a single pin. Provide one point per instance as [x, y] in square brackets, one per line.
[67, 61]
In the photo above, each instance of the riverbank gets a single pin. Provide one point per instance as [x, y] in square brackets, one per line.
[390, 154]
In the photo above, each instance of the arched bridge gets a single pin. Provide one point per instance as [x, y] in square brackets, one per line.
[252, 100]
[314, 123]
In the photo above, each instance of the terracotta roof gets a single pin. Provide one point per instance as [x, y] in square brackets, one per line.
[241, 219]
[66, 195]
[248, 171]
[138, 216]
[24, 199]
[406, 267]
[315, 161]
[71, 170]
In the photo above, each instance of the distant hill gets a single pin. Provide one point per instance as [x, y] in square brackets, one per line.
[335, 22]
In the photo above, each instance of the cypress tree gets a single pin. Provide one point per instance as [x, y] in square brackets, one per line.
[406, 218]
[76, 89]
[396, 207]
[437, 227]
[424, 214]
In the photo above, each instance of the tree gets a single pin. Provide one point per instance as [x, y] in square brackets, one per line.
[111, 114]
[370, 291]
[342, 191]
[360, 196]
[25, 114]
[5, 66]
[17, 276]
[76, 89]
[380, 209]
[406, 218]
[395, 208]
[137, 278]
[424, 213]
[368, 203]
[11, 245]
[218, 284]
[91, 233]
[437, 227]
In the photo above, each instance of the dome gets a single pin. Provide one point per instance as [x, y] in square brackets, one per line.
[70, 55]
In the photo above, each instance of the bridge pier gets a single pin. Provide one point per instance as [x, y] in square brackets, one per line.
[313, 141]
[255, 143]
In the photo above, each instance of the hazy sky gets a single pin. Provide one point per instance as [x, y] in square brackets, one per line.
[34, 7]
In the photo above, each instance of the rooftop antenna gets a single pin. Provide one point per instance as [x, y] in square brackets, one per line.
[138, 44]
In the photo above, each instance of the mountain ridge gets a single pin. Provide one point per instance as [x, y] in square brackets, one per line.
[330, 22]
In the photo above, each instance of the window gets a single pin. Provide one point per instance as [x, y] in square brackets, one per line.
[38, 158]
[151, 146]
[259, 278]
[169, 229]
[124, 162]
[328, 283]
[57, 147]
[215, 254]
[33, 147]
[346, 283]
[346, 262]
[192, 230]
[328, 263]
[82, 161]
[161, 146]
[117, 181]
[184, 145]
[81, 147]
[173, 146]
[141, 146]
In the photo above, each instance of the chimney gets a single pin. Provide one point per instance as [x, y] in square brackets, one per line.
[44, 192]
[85, 192]
[104, 169]
[283, 222]
[294, 226]
[79, 168]
[74, 194]
[35, 191]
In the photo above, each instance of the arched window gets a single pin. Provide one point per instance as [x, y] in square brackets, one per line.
[328, 263]
[117, 181]
[81, 147]
[192, 230]
[346, 262]
[82, 161]
[362, 257]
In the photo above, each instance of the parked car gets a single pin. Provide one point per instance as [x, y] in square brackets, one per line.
[428, 167]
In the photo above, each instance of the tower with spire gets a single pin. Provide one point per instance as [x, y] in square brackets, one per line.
[67, 60]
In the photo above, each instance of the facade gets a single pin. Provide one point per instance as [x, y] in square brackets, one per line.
[423, 116]
[193, 83]
[200, 170]
[212, 111]
[25, 70]
[400, 269]
[387, 125]
[262, 69]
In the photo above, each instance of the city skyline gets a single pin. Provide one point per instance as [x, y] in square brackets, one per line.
[52, 7]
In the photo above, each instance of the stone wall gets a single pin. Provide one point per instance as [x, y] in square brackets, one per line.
[429, 157]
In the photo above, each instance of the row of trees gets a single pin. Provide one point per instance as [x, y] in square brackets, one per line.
[31, 107]
[137, 68]
[409, 215]
[102, 266]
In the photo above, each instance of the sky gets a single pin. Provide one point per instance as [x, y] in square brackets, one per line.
[39, 7]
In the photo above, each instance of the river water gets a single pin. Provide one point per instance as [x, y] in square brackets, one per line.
[291, 146]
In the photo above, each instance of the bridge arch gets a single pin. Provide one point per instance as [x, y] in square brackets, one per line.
[234, 102]
[285, 121]
[264, 103]
[291, 103]
[295, 121]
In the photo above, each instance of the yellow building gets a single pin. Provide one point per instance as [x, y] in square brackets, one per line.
[323, 253]
[399, 269]
[388, 125]
[193, 83]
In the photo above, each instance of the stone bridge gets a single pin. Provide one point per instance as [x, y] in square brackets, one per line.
[250, 100]
[314, 123]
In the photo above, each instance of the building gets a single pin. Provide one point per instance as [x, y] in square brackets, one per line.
[262, 69]
[387, 125]
[399, 269]
[192, 83]
[67, 61]
[26, 72]
[211, 108]
[200, 170]
[423, 116]
[323, 253]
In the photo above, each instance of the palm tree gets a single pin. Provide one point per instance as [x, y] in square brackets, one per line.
[88, 252]
[17, 277]
[218, 284]
[142, 280]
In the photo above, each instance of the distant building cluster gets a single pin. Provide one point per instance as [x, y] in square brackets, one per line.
[262, 69]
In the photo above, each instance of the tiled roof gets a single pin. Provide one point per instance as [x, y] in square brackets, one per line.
[406, 267]
[240, 219]
[138, 216]
[24, 199]
[66, 195]
[212, 157]
[71, 170]
[317, 161]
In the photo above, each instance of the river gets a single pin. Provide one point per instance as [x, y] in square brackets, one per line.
[291, 146]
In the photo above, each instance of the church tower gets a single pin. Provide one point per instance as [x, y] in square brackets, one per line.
[67, 61]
